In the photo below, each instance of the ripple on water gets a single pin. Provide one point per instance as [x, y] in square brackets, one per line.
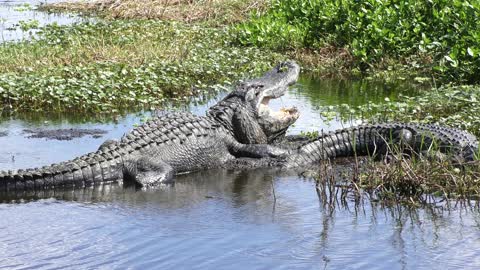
[241, 227]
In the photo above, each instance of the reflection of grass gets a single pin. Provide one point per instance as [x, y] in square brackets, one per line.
[106, 66]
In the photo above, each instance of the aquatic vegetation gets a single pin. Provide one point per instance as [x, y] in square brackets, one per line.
[402, 180]
[28, 25]
[109, 65]
[420, 181]
[23, 7]
[438, 37]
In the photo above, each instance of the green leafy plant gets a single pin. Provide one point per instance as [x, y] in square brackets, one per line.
[438, 36]
[28, 25]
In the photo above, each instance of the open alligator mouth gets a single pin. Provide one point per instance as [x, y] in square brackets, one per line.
[256, 94]
[275, 123]
[275, 85]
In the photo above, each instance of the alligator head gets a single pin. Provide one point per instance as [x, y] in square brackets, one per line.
[245, 111]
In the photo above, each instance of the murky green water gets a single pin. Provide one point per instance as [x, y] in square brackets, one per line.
[223, 219]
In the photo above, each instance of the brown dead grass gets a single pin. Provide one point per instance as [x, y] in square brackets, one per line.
[214, 11]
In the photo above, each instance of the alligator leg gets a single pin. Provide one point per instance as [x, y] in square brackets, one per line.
[147, 172]
[258, 151]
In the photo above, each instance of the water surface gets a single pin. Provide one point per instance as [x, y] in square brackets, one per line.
[221, 219]
[14, 13]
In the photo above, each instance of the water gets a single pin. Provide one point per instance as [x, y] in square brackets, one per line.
[219, 219]
[13, 13]
[228, 220]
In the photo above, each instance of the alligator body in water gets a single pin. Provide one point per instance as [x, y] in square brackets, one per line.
[239, 131]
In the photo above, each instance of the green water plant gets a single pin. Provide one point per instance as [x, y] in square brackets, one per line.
[23, 7]
[438, 37]
[28, 25]
[403, 179]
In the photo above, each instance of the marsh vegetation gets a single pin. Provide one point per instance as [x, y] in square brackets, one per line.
[105, 66]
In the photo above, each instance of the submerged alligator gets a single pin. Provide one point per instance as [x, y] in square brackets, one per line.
[240, 129]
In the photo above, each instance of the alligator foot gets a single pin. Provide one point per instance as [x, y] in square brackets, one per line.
[148, 172]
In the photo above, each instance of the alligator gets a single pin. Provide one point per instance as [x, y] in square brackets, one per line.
[240, 125]
[239, 131]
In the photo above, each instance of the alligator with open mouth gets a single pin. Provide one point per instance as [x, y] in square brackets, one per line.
[241, 128]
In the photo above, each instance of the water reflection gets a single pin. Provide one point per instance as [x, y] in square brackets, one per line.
[326, 92]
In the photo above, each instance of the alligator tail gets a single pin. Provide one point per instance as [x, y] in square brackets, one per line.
[377, 139]
[87, 170]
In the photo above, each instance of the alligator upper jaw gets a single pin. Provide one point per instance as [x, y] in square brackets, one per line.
[275, 82]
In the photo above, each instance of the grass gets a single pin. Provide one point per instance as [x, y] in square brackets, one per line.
[126, 61]
[417, 182]
[215, 12]
[328, 61]
[109, 65]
